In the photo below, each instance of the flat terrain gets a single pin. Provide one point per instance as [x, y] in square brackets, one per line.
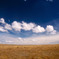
[29, 51]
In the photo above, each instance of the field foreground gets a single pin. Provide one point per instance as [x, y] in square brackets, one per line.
[29, 51]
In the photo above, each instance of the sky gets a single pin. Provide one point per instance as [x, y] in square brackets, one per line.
[29, 22]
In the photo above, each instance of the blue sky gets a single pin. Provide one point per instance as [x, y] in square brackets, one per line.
[29, 20]
[41, 10]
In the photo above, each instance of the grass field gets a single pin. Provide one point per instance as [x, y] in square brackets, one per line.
[29, 51]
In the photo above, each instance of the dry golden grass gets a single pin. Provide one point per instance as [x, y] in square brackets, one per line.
[29, 51]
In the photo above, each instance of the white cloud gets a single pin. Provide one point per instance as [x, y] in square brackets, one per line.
[45, 39]
[38, 29]
[8, 41]
[20, 39]
[2, 20]
[50, 29]
[8, 26]
[16, 26]
[27, 26]
[2, 29]
[53, 32]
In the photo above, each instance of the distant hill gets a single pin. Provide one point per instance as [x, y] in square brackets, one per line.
[29, 51]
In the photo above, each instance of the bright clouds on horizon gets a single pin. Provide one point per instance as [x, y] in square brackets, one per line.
[9, 38]
[17, 27]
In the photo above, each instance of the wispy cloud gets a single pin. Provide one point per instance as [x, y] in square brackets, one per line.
[25, 0]
[50, 0]
[44, 39]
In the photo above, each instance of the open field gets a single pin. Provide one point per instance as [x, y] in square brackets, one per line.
[29, 51]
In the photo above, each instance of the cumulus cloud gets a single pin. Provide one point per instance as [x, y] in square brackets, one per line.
[27, 26]
[38, 29]
[8, 26]
[2, 20]
[50, 29]
[2, 29]
[16, 26]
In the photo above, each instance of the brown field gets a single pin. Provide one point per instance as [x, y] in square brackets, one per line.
[29, 51]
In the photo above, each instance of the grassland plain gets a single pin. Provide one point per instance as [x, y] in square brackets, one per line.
[29, 51]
